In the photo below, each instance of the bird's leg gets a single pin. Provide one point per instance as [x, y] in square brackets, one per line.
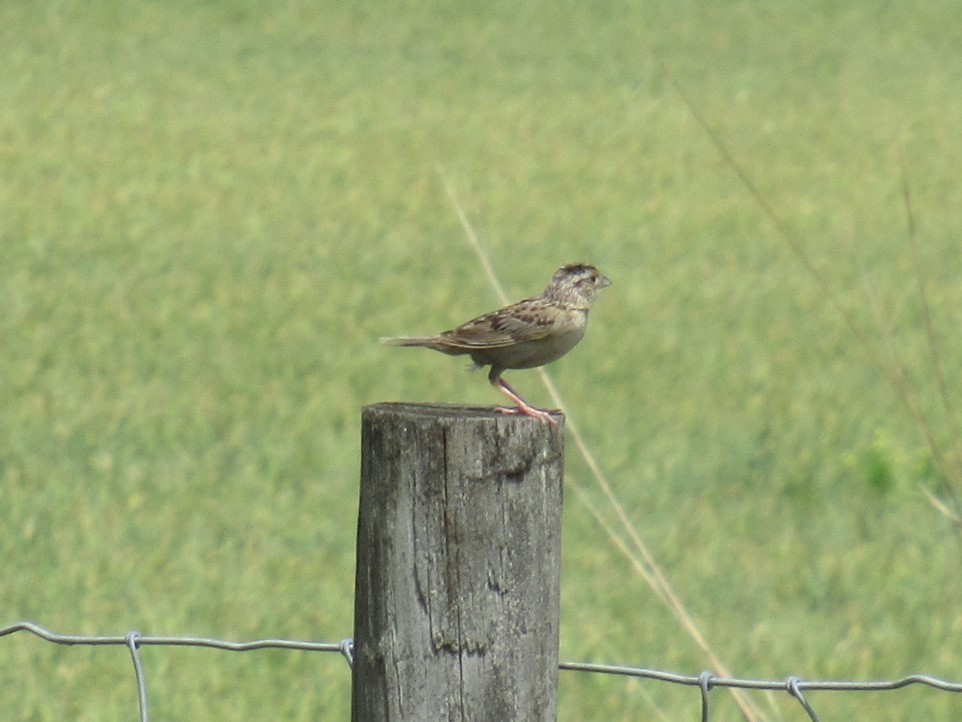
[523, 407]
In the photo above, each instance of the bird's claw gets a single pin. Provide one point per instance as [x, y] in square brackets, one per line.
[526, 411]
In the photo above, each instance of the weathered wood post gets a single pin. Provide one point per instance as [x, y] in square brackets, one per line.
[458, 566]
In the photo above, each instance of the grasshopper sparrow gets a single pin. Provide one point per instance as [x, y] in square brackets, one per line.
[529, 333]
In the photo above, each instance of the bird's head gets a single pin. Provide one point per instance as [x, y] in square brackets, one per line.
[576, 285]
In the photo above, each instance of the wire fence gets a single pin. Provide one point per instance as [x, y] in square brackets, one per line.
[705, 682]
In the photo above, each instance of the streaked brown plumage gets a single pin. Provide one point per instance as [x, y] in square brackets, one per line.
[529, 333]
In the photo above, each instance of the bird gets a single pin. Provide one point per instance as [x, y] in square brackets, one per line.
[527, 334]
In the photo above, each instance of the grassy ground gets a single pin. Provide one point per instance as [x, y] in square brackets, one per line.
[209, 213]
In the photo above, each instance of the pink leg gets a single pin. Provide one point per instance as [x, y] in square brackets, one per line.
[523, 406]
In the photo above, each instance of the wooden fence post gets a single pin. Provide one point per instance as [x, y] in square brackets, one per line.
[458, 566]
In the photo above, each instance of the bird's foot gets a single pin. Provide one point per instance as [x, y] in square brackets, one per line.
[525, 410]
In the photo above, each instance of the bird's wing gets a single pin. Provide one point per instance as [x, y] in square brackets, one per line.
[523, 322]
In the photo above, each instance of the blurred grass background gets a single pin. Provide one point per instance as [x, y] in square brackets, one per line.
[210, 211]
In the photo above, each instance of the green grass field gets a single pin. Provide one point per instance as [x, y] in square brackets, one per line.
[210, 212]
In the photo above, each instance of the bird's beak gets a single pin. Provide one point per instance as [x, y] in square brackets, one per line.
[604, 282]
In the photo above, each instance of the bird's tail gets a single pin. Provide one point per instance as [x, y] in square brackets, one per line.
[438, 343]
[427, 341]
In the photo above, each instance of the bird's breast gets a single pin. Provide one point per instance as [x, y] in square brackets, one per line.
[529, 354]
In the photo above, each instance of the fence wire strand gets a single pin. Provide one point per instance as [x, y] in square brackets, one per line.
[705, 682]
[133, 644]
